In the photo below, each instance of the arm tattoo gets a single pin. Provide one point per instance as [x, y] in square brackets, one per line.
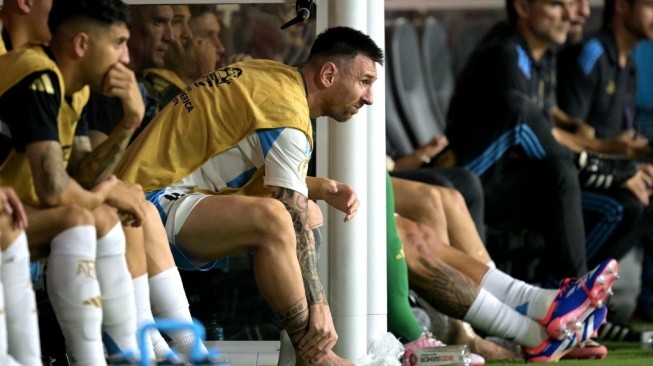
[297, 205]
[81, 148]
[55, 178]
[446, 289]
[92, 167]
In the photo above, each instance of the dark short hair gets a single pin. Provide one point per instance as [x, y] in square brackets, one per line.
[608, 11]
[200, 9]
[347, 42]
[512, 13]
[105, 12]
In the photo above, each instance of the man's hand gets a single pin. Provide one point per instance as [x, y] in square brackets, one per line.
[340, 196]
[321, 336]
[584, 130]
[206, 56]
[129, 200]
[120, 82]
[637, 143]
[11, 205]
[433, 147]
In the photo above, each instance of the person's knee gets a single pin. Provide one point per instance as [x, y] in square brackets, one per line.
[453, 198]
[272, 223]
[427, 197]
[76, 216]
[473, 184]
[106, 217]
[563, 175]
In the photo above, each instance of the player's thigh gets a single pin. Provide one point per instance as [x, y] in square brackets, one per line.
[223, 225]
[410, 196]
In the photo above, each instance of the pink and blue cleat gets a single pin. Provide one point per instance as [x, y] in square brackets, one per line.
[578, 295]
[555, 349]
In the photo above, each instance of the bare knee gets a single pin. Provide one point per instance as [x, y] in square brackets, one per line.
[106, 217]
[73, 216]
[428, 201]
[273, 225]
[453, 199]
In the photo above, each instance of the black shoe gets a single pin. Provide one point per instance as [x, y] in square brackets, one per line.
[603, 172]
[612, 331]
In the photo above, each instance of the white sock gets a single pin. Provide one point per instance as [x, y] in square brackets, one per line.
[75, 294]
[495, 318]
[118, 303]
[20, 304]
[534, 302]
[168, 299]
[5, 358]
[157, 346]
[491, 264]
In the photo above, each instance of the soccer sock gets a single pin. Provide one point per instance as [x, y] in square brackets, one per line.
[118, 303]
[526, 299]
[5, 359]
[20, 304]
[401, 320]
[157, 347]
[75, 294]
[495, 318]
[168, 299]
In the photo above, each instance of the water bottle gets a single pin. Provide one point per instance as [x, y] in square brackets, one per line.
[214, 331]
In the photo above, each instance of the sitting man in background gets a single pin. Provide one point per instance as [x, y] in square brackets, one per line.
[72, 201]
[500, 127]
[597, 83]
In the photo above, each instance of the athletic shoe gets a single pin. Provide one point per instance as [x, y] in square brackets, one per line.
[427, 340]
[602, 172]
[576, 296]
[592, 350]
[554, 349]
[612, 331]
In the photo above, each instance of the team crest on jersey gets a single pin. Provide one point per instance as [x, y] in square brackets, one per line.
[219, 76]
[303, 168]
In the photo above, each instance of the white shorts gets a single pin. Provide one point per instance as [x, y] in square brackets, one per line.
[174, 209]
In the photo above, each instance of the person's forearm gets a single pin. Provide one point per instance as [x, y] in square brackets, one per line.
[100, 163]
[569, 140]
[315, 188]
